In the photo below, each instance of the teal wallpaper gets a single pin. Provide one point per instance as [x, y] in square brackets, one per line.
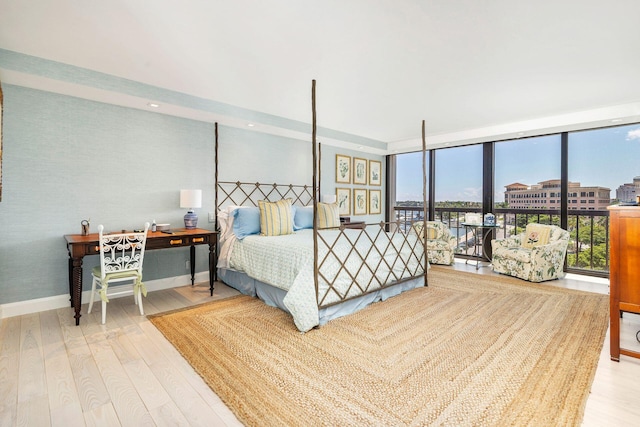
[67, 159]
[91, 79]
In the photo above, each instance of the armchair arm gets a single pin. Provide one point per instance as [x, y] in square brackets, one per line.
[453, 241]
[548, 260]
[557, 246]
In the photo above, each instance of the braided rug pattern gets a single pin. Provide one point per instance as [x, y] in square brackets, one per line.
[467, 350]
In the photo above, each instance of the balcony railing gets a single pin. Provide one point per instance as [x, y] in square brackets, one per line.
[588, 251]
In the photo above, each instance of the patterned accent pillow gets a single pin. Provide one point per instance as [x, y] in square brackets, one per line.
[432, 232]
[536, 235]
[276, 218]
[328, 215]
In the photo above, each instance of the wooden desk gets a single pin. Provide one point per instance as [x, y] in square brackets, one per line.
[80, 246]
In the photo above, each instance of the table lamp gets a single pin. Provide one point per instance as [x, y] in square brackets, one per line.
[190, 199]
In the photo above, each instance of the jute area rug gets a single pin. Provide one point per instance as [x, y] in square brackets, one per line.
[467, 350]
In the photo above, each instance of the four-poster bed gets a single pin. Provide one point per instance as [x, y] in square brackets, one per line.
[277, 242]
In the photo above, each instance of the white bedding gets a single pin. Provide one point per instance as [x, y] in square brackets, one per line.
[286, 262]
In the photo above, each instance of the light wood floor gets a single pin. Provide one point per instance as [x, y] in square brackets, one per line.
[126, 373]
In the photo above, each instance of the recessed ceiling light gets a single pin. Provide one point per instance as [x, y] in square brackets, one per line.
[360, 147]
[250, 125]
[153, 105]
[616, 120]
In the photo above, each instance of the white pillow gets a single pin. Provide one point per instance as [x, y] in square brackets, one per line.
[225, 222]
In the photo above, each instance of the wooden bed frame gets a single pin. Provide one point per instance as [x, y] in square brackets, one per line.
[248, 194]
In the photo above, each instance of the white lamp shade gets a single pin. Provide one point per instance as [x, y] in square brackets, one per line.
[190, 199]
[329, 198]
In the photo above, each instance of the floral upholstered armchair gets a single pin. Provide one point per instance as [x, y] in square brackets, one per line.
[441, 243]
[535, 255]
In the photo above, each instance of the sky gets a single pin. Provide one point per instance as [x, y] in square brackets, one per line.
[607, 157]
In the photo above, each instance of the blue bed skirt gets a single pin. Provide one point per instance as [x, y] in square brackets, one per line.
[274, 296]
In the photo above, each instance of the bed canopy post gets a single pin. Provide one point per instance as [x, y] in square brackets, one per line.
[424, 201]
[315, 187]
[215, 192]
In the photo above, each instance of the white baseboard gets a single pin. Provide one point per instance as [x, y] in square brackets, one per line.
[61, 301]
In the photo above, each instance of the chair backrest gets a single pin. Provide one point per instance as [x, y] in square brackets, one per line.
[121, 252]
[555, 233]
[436, 230]
[558, 233]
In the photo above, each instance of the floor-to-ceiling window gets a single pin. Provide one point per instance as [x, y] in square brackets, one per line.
[458, 177]
[603, 169]
[409, 185]
[458, 191]
[530, 184]
[409, 178]
[527, 176]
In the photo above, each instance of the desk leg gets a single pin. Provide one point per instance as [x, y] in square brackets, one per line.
[192, 263]
[213, 273]
[76, 295]
[71, 280]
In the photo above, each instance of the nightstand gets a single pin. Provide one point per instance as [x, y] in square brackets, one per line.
[346, 221]
[354, 224]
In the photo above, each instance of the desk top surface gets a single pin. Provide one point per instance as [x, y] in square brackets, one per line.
[93, 237]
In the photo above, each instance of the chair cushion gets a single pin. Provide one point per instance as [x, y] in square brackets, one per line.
[516, 254]
[536, 235]
[114, 275]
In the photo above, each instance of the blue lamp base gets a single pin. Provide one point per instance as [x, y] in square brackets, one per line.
[190, 220]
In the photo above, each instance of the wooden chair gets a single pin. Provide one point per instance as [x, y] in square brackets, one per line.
[121, 257]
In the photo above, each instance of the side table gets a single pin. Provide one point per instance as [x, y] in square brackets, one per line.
[346, 221]
[479, 231]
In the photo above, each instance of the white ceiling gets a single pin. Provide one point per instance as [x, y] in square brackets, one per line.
[473, 69]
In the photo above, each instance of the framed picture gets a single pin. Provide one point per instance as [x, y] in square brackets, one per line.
[375, 202]
[359, 201]
[375, 172]
[343, 169]
[359, 171]
[343, 198]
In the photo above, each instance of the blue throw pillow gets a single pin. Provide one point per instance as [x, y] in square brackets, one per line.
[303, 217]
[246, 221]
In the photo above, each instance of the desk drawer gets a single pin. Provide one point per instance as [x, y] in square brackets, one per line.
[199, 240]
[92, 249]
[176, 241]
